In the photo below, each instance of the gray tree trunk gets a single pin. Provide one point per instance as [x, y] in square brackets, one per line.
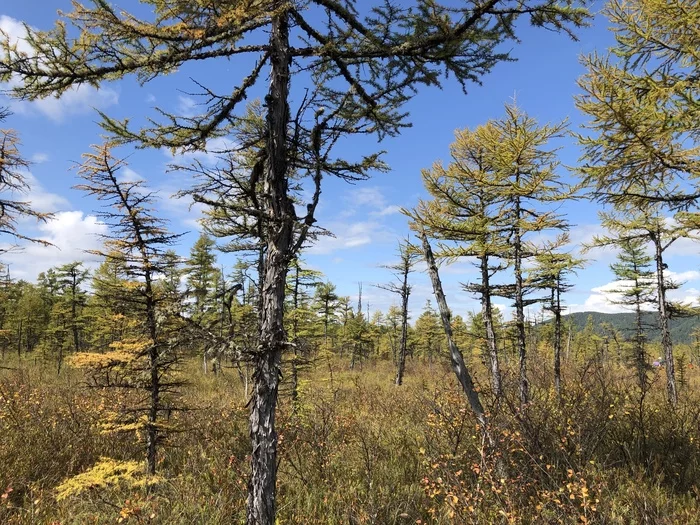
[557, 339]
[404, 328]
[456, 358]
[666, 342]
[520, 309]
[279, 210]
[487, 314]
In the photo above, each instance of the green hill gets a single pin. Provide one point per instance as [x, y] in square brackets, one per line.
[681, 329]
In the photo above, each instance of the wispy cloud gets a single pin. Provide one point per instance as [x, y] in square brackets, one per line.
[39, 158]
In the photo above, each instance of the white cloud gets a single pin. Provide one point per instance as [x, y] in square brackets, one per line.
[39, 158]
[209, 156]
[370, 199]
[71, 233]
[79, 100]
[351, 236]
[683, 277]
[126, 174]
[389, 210]
[76, 101]
[368, 196]
[41, 199]
[186, 106]
[684, 247]
[14, 29]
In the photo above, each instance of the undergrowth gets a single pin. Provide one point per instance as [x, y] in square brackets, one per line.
[355, 449]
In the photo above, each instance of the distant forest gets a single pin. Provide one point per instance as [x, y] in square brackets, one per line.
[682, 329]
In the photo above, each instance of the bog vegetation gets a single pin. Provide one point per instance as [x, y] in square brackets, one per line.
[162, 388]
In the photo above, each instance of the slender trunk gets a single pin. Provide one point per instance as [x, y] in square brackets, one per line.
[640, 357]
[666, 342]
[19, 341]
[74, 314]
[154, 364]
[326, 315]
[404, 329]
[519, 308]
[487, 314]
[279, 238]
[557, 339]
[456, 357]
[295, 336]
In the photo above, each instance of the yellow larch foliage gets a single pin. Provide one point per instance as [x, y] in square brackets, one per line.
[107, 472]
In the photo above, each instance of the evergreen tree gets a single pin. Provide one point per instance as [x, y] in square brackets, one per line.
[70, 277]
[636, 291]
[300, 318]
[200, 275]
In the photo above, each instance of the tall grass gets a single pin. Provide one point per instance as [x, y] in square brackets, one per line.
[356, 449]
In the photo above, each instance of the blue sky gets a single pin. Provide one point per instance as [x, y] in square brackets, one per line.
[364, 217]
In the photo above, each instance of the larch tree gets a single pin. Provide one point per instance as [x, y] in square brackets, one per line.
[552, 271]
[650, 226]
[13, 181]
[326, 305]
[360, 68]
[642, 141]
[635, 291]
[464, 216]
[408, 258]
[498, 191]
[523, 170]
[137, 243]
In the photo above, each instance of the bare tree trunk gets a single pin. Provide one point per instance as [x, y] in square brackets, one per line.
[487, 314]
[666, 342]
[456, 357]
[74, 312]
[520, 310]
[404, 329]
[19, 342]
[640, 355]
[557, 339]
[295, 339]
[279, 210]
